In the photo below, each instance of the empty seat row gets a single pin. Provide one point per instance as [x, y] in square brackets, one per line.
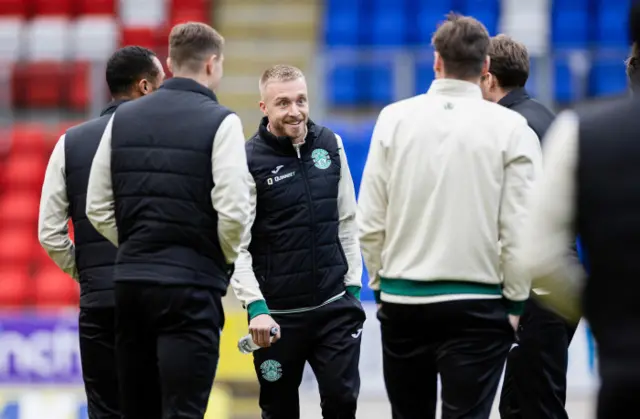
[49, 287]
[574, 23]
[130, 12]
[352, 85]
[399, 22]
[589, 23]
[52, 85]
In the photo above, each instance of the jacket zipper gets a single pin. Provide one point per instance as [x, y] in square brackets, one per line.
[312, 220]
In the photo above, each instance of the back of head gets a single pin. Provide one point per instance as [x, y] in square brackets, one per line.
[633, 69]
[129, 66]
[463, 44]
[192, 45]
[509, 62]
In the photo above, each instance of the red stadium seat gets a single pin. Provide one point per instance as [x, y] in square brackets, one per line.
[183, 15]
[52, 7]
[78, 90]
[20, 208]
[52, 287]
[142, 36]
[96, 7]
[15, 284]
[13, 7]
[42, 84]
[28, 139]
[17, 246]
[24, 172]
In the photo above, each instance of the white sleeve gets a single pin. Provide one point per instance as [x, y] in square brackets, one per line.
[548, 234]
[100, 201]
[53, 219]
[348, 229]
[522, 168]
[373, 201]
[244, 282]
[230, 195]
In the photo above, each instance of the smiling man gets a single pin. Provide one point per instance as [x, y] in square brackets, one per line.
[299, 267]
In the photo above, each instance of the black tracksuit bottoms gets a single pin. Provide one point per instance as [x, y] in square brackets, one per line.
[329, 339]
[466, 342]
[167, 344]
[97, 352]
[535, 380]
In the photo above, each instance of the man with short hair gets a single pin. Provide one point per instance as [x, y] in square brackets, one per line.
[168, 187]
[535, 382]
[443, 194]
[299, 267]
[132, 72]
[505, 81]
[633, 68]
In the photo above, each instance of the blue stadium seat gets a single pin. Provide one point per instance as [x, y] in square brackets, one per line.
[342, 22]
[564, 90]
[608, 77]
[344, 84]
[426, 16]
[424, 77]
[611, 23]
[570, 24]
[379, 84]
[387, 25]
[486, 11]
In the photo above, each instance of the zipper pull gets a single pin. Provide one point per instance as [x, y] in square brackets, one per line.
[297, 147]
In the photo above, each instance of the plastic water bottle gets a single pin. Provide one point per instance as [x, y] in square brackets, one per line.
[246, 345]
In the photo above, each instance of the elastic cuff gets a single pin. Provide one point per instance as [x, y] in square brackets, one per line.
[515, 307]
[354, 290]
[376, 296]
[257, 308]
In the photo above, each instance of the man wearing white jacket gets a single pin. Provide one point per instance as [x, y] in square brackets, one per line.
[299, 266]
[444, 191]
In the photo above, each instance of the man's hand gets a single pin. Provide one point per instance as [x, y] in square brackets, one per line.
[514, 321]
[260, 329]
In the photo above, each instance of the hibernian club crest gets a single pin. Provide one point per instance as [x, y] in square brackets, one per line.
[321, 158]
[271, 370]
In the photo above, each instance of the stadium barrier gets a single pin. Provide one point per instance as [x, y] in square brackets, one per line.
[40, 373]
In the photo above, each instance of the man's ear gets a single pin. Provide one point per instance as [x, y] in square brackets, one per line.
[211, 64]
[169, 64]
[263, 107]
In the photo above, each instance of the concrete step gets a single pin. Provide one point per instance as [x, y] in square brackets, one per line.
[265, 14]
[253, 67]
[278, 49]
[283, 32]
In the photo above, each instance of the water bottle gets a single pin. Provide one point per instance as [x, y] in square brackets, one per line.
[246, 344]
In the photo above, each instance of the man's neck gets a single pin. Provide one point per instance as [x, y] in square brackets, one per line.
[198, 78]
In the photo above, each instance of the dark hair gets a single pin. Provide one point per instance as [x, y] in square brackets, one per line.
[463, 44]
[191, 43]
[127, 66]
[509, 62]
[633, 68]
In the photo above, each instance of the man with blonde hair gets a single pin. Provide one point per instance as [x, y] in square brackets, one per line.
[299, 267]
[168, 186]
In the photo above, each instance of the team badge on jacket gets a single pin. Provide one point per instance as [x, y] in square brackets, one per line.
[271, 370]
[321, 158]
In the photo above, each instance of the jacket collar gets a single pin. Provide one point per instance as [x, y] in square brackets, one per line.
[112, 106]
[452, 87]
[514, 97]
[189, 85]
[284, 143]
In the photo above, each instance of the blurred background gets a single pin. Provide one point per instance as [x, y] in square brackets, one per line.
[358, 55]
